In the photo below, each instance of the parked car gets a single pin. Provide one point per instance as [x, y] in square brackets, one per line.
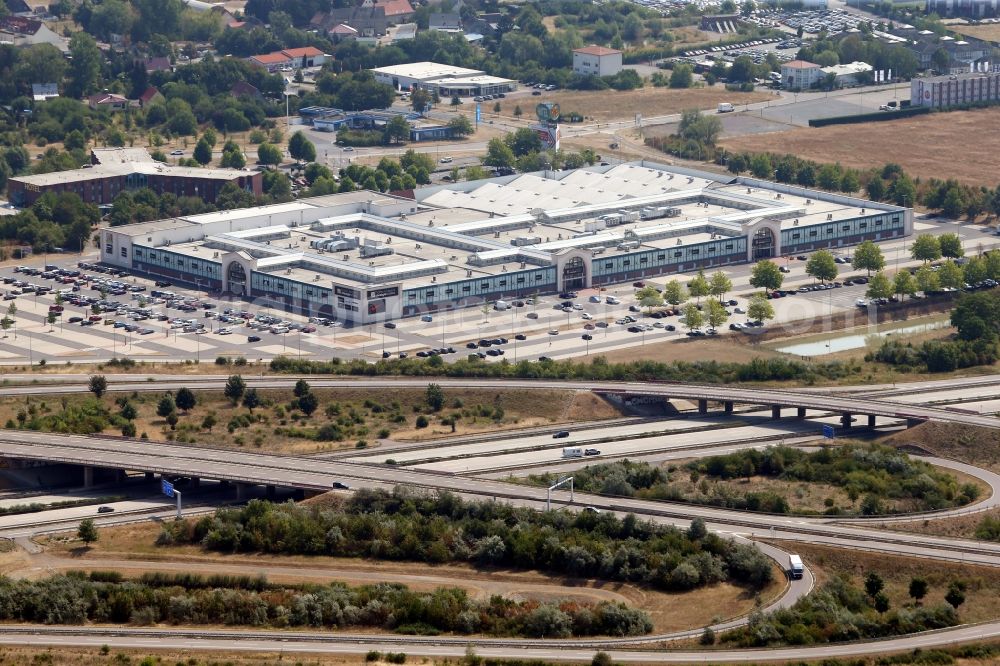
[561, 434]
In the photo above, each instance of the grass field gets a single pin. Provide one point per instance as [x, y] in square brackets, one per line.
[360, 415]
[605, 105]
[959, 527]
[950, 145]
[131, 547]
[968, 444]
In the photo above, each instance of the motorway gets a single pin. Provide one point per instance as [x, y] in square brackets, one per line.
[362, 470]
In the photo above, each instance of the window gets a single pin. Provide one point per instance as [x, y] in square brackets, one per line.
[152, 256]
[484, 285]
[813, 232]
[878, 223]
[411, 297]
[449, 291]
[846, 227]
[643, 260]
[194, 266]
[696, 251]
[608, 264]
[467, 288]
[309, 292]
[503, 283]
[180, 263]
[124, 252]
[538, 276]
[626, 262]
[520, 280]
[729, 246]
[678, 253]
[863, 225]
[712, 248]
[796, 236]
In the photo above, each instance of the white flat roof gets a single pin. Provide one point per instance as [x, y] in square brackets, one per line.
[427, 71]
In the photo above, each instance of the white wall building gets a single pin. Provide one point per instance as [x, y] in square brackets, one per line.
[597, 61]
[446, 80]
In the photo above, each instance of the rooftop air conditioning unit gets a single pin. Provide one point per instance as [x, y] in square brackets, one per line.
[829, 216]
[808, 201]
[316, 279]
[288, 271]
[434, 278]
[346, 257]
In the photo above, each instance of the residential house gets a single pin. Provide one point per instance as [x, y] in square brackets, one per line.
[964, 55]
[244, 89]
[341, 32]
[43, 91]
[18, 8]
[150, 96]
[158, 64]
[368, 21]
[21, 31]
[445, 22]
[396, 11]
[109, 101]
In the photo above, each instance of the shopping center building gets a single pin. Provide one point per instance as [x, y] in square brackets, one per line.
[368, 256]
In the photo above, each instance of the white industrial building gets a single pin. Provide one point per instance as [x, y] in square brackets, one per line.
[940, 92]
[445, 80]
[596, 60]
[367, 256]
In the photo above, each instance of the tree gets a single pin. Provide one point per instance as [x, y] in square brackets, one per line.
[698, 286]
[301, 388]
[203, 152]
[601, 659]
[301, 148]
[235, 388]
[674, 293]
[435, 397]
[209, 422]
[460, 126]
[185, 399]
[760, 309]
[85, 65]
[766, 275]
[822, 266]
[904, 284]
[692, 317]
[98, 385]
[719, 285]
[268, 154]
[499, 155]
[873, 584]
[649, 297]
[881, 602]
[523, 142]
[696, 127]
[308, 403]
[926, 247]
[87, 532]
[918, 588]
[879, 286]
[975, 270]
[682, 76]
[868, 257]
[398, 129]
[927, 280]
[951, 276]
[419, 99]
[956, 594]
[166, 406]
[951, 245]
[717, 314]
[517, 111]
[129, 412]
[251, 399]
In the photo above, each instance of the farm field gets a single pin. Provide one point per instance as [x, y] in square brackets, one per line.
[948, 145]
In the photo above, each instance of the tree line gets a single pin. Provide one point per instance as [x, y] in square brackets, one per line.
[184, 599]
[441, 528]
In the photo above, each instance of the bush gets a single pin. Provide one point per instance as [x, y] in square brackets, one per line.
[421, 421]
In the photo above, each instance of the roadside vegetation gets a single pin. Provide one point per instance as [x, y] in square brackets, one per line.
[300, 419]
[189, 599]
[874, 595]
[441, 528]
[852, 479]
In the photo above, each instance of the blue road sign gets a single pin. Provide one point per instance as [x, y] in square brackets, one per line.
[479, 113]
[167, 487]
[828, 431]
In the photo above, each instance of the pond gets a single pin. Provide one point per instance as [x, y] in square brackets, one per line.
[839, 343]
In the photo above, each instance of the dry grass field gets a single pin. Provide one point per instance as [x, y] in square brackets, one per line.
[968, 444]
[959, 527]
[605, 105]
[360, 415]
[956, 145]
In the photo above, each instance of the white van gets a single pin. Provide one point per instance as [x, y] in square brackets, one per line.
[501, 306]
[726, 107]
[572, 452]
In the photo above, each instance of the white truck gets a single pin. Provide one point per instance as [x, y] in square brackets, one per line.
[726, 107]
[795, 567]
[572, 452]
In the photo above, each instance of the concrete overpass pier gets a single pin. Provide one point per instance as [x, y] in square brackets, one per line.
[88, 476]
[150, 476]
[845, 420]
[271, 492]
[728, 406]
[703, 406]
[775, 412]
[800, 412]
[241, 491]
[871, 420]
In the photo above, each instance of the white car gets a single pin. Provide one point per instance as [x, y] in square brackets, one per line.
[587, 316]
[225, 331]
